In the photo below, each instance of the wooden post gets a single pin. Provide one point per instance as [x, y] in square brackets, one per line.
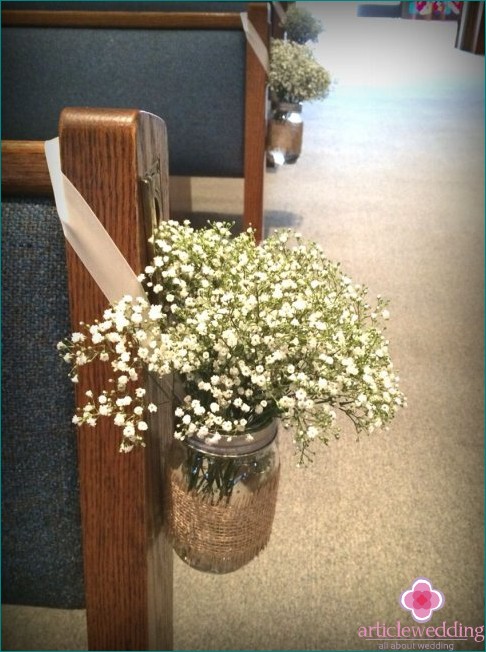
[255, 123]
[127, 561]
[470, 29]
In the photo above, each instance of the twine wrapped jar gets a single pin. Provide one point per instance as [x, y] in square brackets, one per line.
[220, 498]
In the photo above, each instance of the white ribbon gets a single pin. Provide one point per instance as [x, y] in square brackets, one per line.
[255, 41]
[88, 237]
[280, 11]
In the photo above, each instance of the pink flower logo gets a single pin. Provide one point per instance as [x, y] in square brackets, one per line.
[422, 600]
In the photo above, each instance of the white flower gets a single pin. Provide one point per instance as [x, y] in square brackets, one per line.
[300, 304]
[121, 322]
[155, 312]
[151, 407]
[133, 374]
[119, 419]
[129, 430]
[81, 359]
[142, 425]
[214, 438]
[230, 337]
[202, 432]
[275, 327]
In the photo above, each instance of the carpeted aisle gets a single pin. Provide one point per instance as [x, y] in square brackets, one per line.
[391, 183]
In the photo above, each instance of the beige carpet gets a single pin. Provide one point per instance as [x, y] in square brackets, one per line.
[390, 182]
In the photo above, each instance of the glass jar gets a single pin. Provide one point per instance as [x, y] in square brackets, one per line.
[220, 499]
[285, 131]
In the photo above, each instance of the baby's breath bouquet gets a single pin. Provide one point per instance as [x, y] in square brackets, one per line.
[295, 75]
[301, 26]
[252, 332]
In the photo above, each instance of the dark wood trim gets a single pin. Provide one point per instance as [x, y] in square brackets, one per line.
[470, 30]
[24, 168]
[255, 123]
[121, 19]
[127, 561]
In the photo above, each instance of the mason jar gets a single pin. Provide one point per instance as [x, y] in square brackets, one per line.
[220, 498]
[285, 131]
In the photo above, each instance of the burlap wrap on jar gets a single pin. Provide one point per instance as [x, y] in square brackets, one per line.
[220, 499]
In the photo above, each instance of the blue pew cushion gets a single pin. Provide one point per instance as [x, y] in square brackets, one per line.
[41, 531]
[193, 79]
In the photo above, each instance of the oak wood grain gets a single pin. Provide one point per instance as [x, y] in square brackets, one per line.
[121, 19]
[255, 123]
[24, 168]
[128, 565]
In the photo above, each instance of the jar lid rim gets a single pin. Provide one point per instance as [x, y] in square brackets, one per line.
[236, 445]
[289, 106]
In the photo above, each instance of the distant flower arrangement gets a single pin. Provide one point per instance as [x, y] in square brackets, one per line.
[253, 332]
[301, 26]
[295, 75]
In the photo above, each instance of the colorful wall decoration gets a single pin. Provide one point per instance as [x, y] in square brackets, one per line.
[432, 10]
